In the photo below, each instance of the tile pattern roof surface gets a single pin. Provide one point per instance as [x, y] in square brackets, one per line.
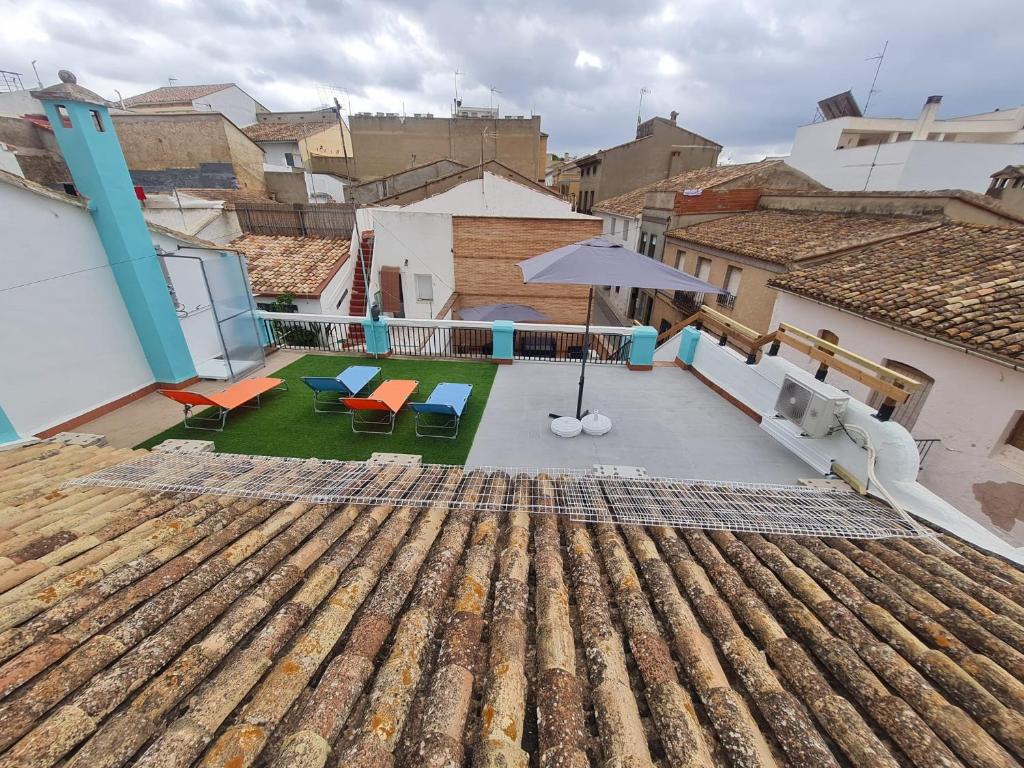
[174, 94]
[291, 264]
[782, 237]
[959, 283]
[286, 131]
[167, 630]
[632, 203]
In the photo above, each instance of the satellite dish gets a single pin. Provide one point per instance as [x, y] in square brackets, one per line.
[67, 76]
[841, 105]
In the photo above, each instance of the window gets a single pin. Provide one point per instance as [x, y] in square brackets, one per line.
[65, 118]
[650, 245]
[613, 225]
[680, 259]
[625, 229]
[289, 159]
[424, 288]
[907, 413]
[643, 241]
[97, 121]
[1016, 437]
[731, 285]
[703, 268]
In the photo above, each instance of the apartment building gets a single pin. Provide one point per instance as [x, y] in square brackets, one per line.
[661, 149]
[926, 152]
[388, 143]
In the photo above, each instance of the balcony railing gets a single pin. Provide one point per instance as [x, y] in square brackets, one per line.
[726, 300]
[687, 301]
[924, 446]
[447, 338]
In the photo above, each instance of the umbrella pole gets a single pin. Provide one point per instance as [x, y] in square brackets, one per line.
[586, 354]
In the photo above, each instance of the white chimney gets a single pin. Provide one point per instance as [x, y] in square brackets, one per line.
[926, 120]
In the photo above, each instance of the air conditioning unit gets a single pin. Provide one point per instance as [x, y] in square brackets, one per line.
[810, 406]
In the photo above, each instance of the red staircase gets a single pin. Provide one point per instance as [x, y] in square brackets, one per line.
[357, 306]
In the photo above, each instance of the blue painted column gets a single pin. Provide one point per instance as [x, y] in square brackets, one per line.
[8, 434]
[641, 350]
[502, 340]
[688, 344]
[85, 134]
[377, 340]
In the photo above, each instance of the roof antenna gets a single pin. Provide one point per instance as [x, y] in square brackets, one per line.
[171, 80]
[490, 100]
[643, 92]
[457, 102]
[871, 91]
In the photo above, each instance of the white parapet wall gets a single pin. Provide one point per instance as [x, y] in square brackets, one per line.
[897, 463]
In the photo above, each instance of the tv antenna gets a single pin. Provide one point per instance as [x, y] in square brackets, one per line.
[171, 80]
[879, 58]
[490, 100]
[644, 91]
[457, 73]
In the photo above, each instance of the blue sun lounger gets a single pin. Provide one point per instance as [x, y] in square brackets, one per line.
[440, 415]
[348, 383]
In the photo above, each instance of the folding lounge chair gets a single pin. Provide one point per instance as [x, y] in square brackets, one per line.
[380, 407]
[447, 401]
[327, 391]
[235, 396]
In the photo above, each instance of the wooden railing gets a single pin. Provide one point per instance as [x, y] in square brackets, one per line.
[320, 220]
[894, 386]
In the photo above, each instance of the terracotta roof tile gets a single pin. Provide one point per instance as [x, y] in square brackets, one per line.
[632, 203]
[274, 131]
[782, 237]
[289, 264]
[167, 629]
[174, 94]
[958, 283]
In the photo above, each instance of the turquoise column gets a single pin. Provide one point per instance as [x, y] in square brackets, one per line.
[641, 350]
[8, 434]
[688, 344]
[377, 340]
[502, 337]
[86, 136]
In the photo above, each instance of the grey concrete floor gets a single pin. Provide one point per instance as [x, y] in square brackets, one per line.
[131, 424]
[665, 420]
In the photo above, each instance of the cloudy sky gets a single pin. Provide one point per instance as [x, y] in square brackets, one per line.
[743, 73]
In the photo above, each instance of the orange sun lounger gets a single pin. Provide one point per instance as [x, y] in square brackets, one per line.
[380, 407]
[235, 396]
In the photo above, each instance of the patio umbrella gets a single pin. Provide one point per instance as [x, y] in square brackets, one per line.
[517, 313]
[599, 261]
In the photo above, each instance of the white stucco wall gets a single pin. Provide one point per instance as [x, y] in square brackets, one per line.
[232, 102]
[904, 165]
[619, 301]
[496, 196]
[205, 219]
[274, 152]
[323, 183]
[425, 241]
[67, 343]
[971, 407]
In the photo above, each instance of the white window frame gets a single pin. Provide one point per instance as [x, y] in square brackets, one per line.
[418, 285]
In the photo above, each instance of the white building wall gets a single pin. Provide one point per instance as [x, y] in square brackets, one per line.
[494, 195]
[205, 219]
[627, 232]
[424, 240]
[67, 343]
[971, 407]
[234, 103]
[325, 184]
[274, 152]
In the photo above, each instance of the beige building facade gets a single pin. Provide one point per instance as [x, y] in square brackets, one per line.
[388, 144]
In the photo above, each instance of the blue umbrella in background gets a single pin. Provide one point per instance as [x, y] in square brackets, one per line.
[517, 313]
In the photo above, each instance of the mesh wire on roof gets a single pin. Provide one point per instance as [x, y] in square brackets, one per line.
[581, 495]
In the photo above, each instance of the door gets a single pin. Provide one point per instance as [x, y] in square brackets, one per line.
[907, 413]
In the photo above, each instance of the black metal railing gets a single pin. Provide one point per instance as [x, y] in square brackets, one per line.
[440, 342]
[313, 335]
[924, 446]
[688, 301]
[557, 346]
[726, 300]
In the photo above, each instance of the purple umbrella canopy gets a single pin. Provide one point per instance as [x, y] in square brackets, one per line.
[517, 313]
[599, 261]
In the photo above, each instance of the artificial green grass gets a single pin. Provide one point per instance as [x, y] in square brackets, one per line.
[285, 425]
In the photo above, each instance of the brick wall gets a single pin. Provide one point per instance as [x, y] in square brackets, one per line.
[717, 201]
[486, 251]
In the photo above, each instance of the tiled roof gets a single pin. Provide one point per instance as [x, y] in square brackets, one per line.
[286, 131]
[958, 283]
[167, 630]
[290, 264]
[632, 203]
[227, 195]
[965, 195]
[783, 237]
[174, 94]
